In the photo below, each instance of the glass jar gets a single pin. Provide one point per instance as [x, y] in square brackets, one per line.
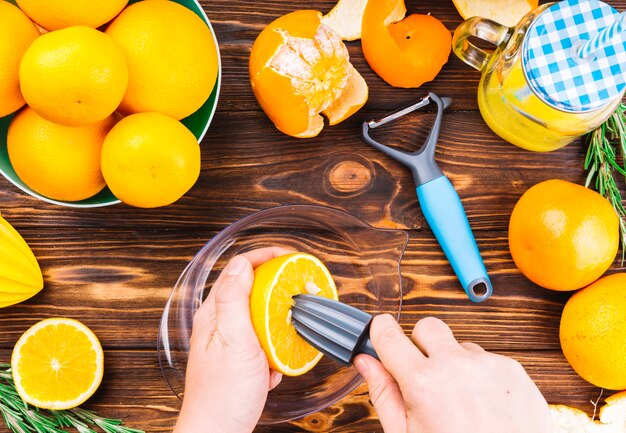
[522, 96]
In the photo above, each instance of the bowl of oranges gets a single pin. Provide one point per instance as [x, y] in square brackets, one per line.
[362, 262]
[106, 103]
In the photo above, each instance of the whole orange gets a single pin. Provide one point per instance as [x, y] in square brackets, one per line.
[563, 236]
[593, 332]
[75, 76]
[150, 160]
[17, 32]
[172, 58]
[57, 161]
[58, 14]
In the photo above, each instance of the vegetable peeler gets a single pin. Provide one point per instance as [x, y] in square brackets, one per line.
[338, 330]
[439, 201]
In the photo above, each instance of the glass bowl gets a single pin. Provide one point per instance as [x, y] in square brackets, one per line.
[197, 123]
[364, 262]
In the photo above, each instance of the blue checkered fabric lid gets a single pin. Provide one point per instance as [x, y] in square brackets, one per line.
[553, 68]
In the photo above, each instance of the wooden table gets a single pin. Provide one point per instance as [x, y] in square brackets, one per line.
[113, 268]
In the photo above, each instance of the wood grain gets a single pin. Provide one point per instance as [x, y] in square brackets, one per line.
[135, 391]
[113, 268]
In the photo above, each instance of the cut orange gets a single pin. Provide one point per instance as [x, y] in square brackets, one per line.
[57, 364]
[507, 12]
[407, 53]
[347, 16]
[300, 68]
[275, 283]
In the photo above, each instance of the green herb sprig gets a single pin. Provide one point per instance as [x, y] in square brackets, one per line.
[604, 145]
[20, 417]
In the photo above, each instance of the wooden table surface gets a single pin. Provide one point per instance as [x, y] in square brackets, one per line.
[113, 268]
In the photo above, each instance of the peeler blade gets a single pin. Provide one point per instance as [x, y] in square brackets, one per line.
[338, 330]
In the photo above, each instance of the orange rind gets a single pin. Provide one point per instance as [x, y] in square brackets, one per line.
[506, 12]
[346, 18]
[407, 53]
[300, 68]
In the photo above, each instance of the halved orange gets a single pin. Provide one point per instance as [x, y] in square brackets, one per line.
[300, 68]
[57, 364]
[275, 284]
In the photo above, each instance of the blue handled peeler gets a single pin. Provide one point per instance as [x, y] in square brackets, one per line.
[439, 201]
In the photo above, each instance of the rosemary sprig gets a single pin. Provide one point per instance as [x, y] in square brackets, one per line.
[601, 162]
[20, 417]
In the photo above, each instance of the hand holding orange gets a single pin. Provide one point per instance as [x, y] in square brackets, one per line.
[275, 283]
[563, 236]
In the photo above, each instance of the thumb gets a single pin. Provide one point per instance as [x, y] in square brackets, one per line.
[384, 393]
[232, 301]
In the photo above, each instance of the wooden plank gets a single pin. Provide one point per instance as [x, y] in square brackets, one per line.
[118, 282]
[134, 390]
[247, 165]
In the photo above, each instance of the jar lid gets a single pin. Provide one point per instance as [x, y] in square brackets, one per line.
[555, 71]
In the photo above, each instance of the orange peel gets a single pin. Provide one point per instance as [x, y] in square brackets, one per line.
[407, 53]
[300, 68]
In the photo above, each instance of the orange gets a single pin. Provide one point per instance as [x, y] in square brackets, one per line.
[300, 68]
[57, 364]
[58, 14]
[563, 236]
[17, 32]
[507, 12]
[407, 53]
[593, 332]
[75, 76]
[150, 160]
[347, 16]
[172, 58]
[275, 283]
[57, 161]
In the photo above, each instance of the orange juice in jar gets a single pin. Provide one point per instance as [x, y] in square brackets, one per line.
[536, 90]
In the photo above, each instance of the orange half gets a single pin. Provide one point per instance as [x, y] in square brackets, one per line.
[57, 364]
[275, 284]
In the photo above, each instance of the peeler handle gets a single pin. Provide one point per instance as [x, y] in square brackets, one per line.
[446, 217]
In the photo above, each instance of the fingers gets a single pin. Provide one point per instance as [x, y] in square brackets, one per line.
[204, 321]
[384, 393]
[472, 346]
[262, 255]
[395, 350]
[232, 301]
[275, 379]
[431, 335]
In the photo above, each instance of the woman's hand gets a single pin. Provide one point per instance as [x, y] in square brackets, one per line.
[228, 376]
[434, 384]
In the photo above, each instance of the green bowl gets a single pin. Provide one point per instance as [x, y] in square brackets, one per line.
[197, 123]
